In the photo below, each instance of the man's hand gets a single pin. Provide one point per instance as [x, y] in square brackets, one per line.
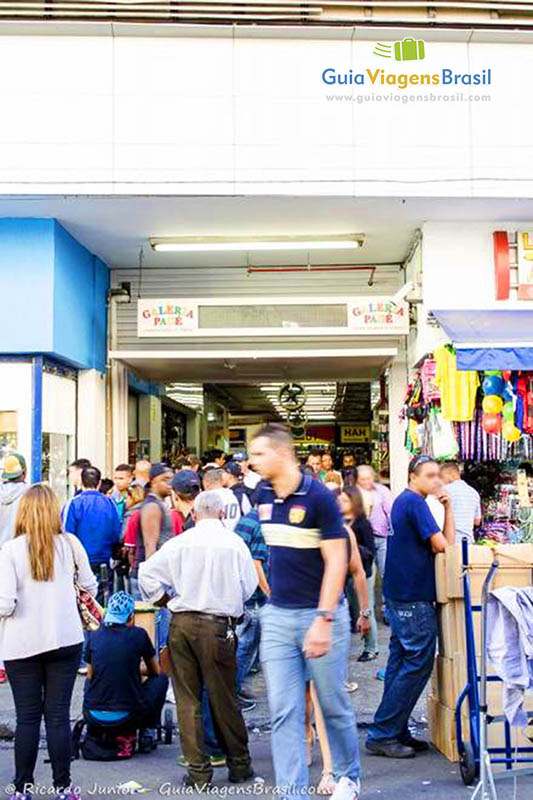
[363, 625]
[317, 639]
[443, 497]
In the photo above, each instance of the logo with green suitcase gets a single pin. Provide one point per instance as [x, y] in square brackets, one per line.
[405, 50]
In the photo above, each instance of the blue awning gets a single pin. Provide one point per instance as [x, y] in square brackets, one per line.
[490, 339]
[513, 358]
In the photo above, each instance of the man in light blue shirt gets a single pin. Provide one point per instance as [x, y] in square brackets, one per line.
[466, 502]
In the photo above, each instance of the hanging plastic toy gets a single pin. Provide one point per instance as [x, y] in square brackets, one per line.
[510, 432]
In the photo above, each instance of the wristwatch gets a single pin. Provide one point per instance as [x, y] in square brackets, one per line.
[366, 613]
[326, 615]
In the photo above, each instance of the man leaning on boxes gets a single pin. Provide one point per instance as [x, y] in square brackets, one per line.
[410, 590]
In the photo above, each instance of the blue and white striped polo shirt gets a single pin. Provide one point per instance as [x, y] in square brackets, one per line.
[466, 507]
[293, 528]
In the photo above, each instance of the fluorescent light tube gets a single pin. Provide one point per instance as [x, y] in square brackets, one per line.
[203, 244]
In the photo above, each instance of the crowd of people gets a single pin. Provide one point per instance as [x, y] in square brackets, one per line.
[245, 557]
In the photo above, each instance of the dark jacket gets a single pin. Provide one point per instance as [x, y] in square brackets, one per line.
[365, 540]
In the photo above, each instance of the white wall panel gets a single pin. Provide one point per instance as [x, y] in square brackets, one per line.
[142, 115]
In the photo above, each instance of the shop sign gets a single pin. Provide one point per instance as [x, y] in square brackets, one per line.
[379, 315]
[525, 265]
[355, 434]
[502, 264]
[166, 317]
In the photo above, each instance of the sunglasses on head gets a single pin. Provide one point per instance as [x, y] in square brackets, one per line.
[416, 462]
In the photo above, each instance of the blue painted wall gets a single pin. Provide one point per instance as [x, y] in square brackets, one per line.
[53, 293]
[81, 282]
[26, 285]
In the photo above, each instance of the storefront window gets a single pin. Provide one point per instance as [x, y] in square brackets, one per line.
[56, 458]
[8, 432]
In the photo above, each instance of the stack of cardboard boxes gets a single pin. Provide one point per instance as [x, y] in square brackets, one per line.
[450, 674]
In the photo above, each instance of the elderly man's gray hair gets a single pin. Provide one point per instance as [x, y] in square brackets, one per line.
[209, 505]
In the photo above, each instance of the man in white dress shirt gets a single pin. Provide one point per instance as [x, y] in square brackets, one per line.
[208, 574]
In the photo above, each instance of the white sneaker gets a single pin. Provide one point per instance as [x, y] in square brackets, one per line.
[170, 695]
[346, 789]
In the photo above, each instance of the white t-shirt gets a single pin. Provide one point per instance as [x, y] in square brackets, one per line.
[251, 479]
[232, 511]
[437, 509]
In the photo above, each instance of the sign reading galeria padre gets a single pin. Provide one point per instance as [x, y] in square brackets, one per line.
[364, 315]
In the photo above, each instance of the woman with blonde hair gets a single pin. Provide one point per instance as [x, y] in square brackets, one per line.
[41, 633]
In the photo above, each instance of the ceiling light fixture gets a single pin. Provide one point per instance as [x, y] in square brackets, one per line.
[203, 244]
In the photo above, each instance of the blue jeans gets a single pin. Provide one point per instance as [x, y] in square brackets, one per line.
[212, 745]
[162, 626]
[248, 637]
[282, 636]
[411, 657]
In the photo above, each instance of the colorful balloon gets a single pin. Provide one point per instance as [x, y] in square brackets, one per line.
[507, 394]
[508, 412]
[493, 384]
[510, 432]
[492, 404]
[492, 423]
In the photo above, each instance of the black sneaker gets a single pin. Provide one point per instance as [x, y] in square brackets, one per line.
[200, 785]
[418, 745]
[390, 749]
[368, 655]
[241, 777]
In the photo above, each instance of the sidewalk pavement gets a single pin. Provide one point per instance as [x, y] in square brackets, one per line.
[429, 775]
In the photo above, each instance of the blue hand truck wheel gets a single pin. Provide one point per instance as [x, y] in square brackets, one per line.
[168, 726]
[467, 764]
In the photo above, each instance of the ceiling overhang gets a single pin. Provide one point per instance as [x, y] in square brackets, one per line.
[256, 366]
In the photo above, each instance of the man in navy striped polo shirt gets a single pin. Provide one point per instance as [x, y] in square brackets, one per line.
[305, 625]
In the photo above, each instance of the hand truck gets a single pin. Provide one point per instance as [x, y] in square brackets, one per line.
[476, 757]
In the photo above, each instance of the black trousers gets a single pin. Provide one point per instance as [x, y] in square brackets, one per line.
[147, 715]
[42, 685]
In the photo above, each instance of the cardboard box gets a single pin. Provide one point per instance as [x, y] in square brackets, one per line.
[145, 618]
[516, 568]
[443, 733]
[448, 630]
[448, 679]
[440, 578]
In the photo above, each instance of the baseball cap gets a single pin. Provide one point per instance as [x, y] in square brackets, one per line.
[234, 469]
[185, 482]
[158, 469]
[119, 609]
[240, 455]
[14, 466]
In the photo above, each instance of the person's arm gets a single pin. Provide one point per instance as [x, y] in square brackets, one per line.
[249, 578]
[478, 516]
[360, 582]
[149, 660]
[334, 554]
[70, 522]
[151, 528]
[448, 529]
[428, 529]
[154, 575]
[263, 583]
[318, 638]
[8, 584]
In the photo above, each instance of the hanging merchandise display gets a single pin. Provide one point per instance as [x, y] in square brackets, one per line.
[458, 389]
[485, 421]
